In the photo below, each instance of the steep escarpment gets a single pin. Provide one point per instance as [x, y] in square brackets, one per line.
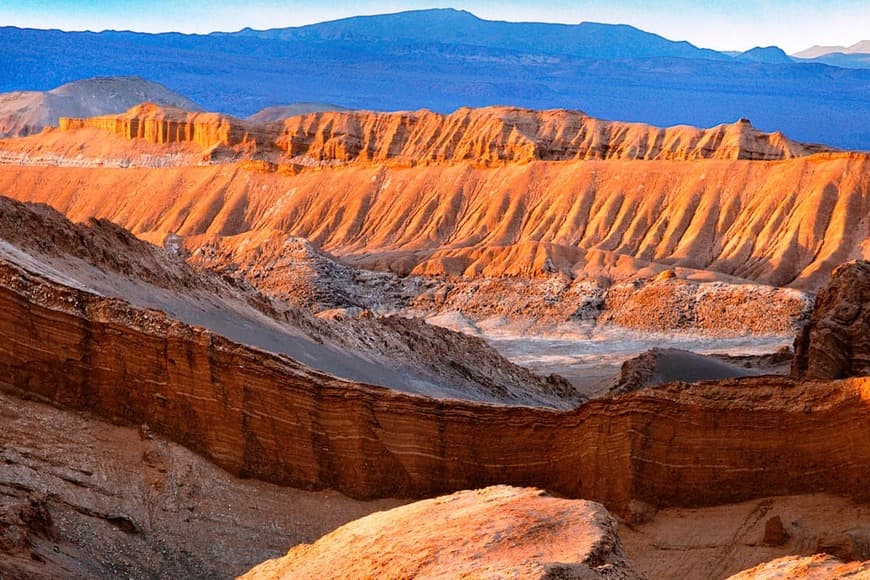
[163, 125]
[267, 416]
[502, 532]
[488, 137]
[779, 223]
[499, 135]
[836, 341]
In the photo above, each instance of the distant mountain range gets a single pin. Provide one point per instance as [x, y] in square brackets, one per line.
[862, 47]
[444, 59]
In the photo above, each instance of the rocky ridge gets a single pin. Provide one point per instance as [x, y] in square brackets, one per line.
[99, 258]
[487, 137]
[165, 125]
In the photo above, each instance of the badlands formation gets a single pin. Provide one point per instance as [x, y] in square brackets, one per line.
[276, 330]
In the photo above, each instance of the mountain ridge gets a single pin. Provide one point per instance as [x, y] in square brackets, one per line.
[627, 78]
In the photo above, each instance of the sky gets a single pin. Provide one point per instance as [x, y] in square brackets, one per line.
[719, 24]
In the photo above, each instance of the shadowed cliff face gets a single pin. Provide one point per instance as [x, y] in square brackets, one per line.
[836, 341]
[266, 416]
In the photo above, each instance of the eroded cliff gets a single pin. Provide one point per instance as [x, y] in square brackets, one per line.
[266, 416]
[163, 125]
[780, 223]
[489, 136]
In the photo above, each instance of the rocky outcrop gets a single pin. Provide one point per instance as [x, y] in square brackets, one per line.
[836, 341]
[818, 567]
[496, 532]
[784, 223]
[672, 304]
[668, 365]
[266, 416]
[163, 125]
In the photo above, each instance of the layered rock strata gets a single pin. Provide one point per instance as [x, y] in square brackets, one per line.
[496, 532]
[266, 416]
[498, 135]
[404, 354]
[163, 125]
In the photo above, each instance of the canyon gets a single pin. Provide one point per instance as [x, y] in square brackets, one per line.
[278, 329]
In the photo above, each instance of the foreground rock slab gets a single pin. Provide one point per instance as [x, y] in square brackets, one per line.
[496, 532]
[818, 567]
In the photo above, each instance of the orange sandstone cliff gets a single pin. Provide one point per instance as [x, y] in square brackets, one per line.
[781, 223]
[487, 136]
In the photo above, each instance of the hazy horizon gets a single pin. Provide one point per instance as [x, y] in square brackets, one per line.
[720, 25]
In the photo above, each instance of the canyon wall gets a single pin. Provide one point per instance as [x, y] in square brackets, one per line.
[780, 223]
[266, 416]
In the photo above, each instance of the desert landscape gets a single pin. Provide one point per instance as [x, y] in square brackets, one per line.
[325, 340]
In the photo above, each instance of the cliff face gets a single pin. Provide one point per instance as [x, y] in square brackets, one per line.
[163, 125]
[486, 137]
[836, 341]
[266, 416]
[503, 532]
[499, 135]
[788, 222]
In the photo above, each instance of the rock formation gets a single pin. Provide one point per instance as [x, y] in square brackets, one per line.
[486, 137]
[668, 365]
[28, 112]
[819, 567]
[267, 416]
[836, 341]
[783, 223]
[162, 125]
[404, 354]
[493, 532]
[499, 135]
[81, 498]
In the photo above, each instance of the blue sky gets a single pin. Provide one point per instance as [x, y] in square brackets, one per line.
[723, 25]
